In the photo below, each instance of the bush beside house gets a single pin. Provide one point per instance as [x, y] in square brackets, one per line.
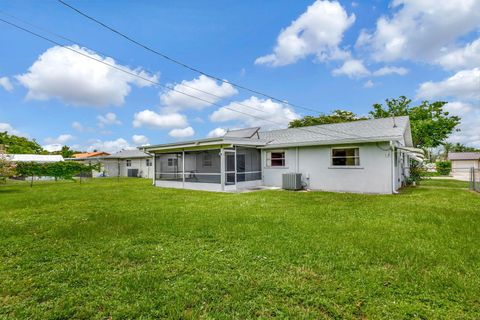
[444, 167]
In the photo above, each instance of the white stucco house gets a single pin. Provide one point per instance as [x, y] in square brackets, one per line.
[128, 163]
[462, 162]
[368, 156]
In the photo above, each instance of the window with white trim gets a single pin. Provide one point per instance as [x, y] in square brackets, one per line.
[172, 162]
[275, 158]
[207, 159]
[345, 157]
[148, 162]
[128, 163]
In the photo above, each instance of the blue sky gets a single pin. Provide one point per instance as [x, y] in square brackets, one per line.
[322, 55]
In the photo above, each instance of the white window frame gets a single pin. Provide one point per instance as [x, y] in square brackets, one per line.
[207, 160]
[173, 160]
[345, 166]
[268, 157]
[128, 163]
[148, 162]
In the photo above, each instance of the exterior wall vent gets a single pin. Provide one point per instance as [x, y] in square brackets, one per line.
[292, 181]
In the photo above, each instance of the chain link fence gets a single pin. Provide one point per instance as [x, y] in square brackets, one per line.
[475, 179]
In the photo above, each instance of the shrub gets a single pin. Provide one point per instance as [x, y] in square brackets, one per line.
[59, 170]
[444, 167]
[416, 172]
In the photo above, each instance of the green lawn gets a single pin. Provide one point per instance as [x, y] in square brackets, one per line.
[128, 250]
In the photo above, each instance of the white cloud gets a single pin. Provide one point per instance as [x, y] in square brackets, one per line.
[419, 30]
[390, 70]
[110, 146]
[469, 133]
[466, 57]
[217, 132]
[78, 80]
[369, 84]
[53, 147]
[182, 133]
[202, 87]
[152, 119]
[7, 127]
[77, 126]
[6, 84]
[56, 144]
[109, 118]
[352, 69]
[61, 139]
[262, 112]
[139, 140]
[464, 84]
[318, 31]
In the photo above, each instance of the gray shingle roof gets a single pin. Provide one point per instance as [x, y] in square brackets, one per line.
[464, 155]
[348, 132]
[363, 130]
[127, 154]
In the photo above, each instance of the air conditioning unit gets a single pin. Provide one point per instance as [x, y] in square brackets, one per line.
[292, 181]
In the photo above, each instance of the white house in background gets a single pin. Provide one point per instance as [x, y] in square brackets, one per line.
[462, 162]
[368, 156]
[128, 163]
[40, 158]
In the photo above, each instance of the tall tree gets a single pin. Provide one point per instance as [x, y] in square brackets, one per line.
[16, 144]
[431, 124]
[66, 152]
[336, 116]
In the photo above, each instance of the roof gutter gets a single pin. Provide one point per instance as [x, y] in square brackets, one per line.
[392, 155]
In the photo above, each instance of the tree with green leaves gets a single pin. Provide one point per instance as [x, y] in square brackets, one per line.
[431, 124]
[22, 145]
[336, 116]
[66, 152]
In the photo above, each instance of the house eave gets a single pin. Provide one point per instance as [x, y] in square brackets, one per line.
[330, 142]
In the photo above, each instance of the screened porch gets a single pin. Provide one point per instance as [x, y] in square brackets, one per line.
[223, 169]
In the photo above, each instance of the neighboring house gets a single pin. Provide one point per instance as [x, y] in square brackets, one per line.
[95, 154]
[462, 162]
[368, 156]
[128, 163]
[40, 158]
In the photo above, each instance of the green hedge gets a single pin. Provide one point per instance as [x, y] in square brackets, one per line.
[444, 167]
[59, 170]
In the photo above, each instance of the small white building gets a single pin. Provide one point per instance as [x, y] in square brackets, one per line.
[462, 162]
[367, 156]
[128, 163]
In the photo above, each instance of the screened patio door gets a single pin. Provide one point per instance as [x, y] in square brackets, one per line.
[229, 167]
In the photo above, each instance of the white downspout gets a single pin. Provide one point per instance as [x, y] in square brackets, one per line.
[392, 155]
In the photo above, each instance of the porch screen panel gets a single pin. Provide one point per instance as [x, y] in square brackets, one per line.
[248, 164]
[168, 166]
[202, 166]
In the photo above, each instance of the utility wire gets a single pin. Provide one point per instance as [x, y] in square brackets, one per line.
[180, 63]
[161, 85]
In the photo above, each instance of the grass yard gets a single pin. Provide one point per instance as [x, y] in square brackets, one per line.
[128, 250]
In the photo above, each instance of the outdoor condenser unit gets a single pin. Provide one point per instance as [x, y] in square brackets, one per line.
[292, 181]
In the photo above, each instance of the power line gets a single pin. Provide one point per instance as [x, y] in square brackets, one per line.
[124, 62]
[161, 85]
[180, 63]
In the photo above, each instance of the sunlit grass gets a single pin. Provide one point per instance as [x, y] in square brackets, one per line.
[128, 250]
